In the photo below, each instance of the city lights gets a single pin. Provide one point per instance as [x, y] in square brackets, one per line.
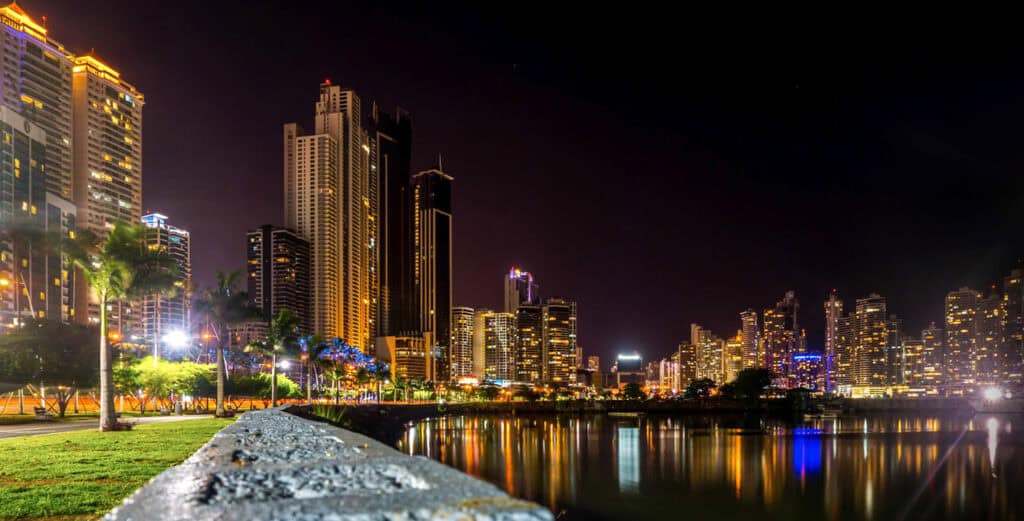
[176, 338]
[992, 394]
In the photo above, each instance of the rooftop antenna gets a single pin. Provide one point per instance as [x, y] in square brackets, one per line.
[440, 166]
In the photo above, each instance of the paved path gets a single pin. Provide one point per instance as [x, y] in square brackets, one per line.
[32, 429]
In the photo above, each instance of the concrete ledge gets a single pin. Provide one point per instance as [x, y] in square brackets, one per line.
[271, 465]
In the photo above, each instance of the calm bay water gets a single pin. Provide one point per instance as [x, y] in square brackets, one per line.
[676, 467]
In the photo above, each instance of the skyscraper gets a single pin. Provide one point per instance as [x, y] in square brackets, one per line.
[520, 289]
[593, 363]
[529, 343]
[913, 365]
[390, 141]
[833, 312]
[433, 192]
[895, 358]
[732, 357]
[782, 338]
[559, 341]
[162, 315]
[688, 364]
[107, 160]
[60, 294]
[987, 358]
[1013, 326]
[278, 273]
[751, 339]
[494, 344]
[961, 316]
[843, 364]
[37, 85]
[710, 353]
[870, 347]
[23, 266]
[327, 201]
[933, 360]
[462, 341]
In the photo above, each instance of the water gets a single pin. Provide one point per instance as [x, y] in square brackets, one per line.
[687, 467]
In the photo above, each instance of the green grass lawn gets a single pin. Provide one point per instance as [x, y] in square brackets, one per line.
[20, 419]
[83, 474]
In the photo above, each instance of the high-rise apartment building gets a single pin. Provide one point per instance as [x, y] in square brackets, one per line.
[688, 364]
[870, 346]
[782, 338]
[1013, 327]
[462, 341]
[961, 318]
[833, 312]
[933, 360]
[520, 289]
[987, 359]
[494, 341]
[37, 85]
[390, 142]
[751, 339]
[60, 273]
[895, 358]
[732, 357]
[914, 366]
[559, 341]
[432, 190]
[23, 263]
[529, 343]
[327, 201]
[843, 363]
[277, 266]
[163, 315]
[593, 363]
[710, 350]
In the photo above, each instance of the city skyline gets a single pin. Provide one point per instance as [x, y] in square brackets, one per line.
[644, 299]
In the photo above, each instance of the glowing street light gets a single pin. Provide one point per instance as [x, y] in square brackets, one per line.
[993, 394]
[284, 365]
[176, 338]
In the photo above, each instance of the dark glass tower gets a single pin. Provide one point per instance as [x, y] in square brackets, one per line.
[432, 190]
[390, 149]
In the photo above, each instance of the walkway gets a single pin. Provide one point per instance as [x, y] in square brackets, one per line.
[43, 427]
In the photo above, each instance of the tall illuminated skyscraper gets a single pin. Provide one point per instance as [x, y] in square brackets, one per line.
[1013, 326]
[933, 360]
[529, 343]
[688, 363]
[23, 272]
[732, 357]
[327, 200]
[433, 192]
[843, 363]
[961, 315]
[751, 339]
[494, 341]
[870, 348]
[37, 85]
[167, 314]
[462, 341]
[559, 340]
[782, 338]
[833, 312]
[987, 359]
[519, 289]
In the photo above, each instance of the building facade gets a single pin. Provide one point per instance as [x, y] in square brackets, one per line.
[833, 313]
[462, 341]
[751, 339]
[961, 317]
[162, 315]
[529, 343]
[432, 190]
[782, 338]
[520, 289]
[277, 265]
[559, 341]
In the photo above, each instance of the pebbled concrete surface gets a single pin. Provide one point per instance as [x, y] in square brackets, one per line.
[271, 465]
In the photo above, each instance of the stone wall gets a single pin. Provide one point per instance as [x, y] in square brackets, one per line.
[271, 465]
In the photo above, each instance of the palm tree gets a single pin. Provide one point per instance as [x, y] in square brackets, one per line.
[281, 339]
[224, 305]
[316, 347]
[116, 267]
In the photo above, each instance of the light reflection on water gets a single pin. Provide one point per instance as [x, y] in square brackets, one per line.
[656, 466]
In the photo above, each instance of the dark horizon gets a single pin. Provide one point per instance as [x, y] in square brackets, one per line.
[661, 171]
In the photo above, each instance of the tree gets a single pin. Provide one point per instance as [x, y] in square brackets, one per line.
[282, 339]
[316, 348]
[116, 267]
[52, 353]
[261, 385]
[633, 391]
[224, 305]
[750, 383]
[488, 392]
[699, 388]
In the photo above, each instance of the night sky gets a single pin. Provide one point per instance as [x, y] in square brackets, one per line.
[661, 168]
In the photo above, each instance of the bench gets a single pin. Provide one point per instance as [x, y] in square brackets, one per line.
[41, 414]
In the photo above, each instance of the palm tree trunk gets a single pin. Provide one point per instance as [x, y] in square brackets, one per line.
[108, 419]
[309, 384]
[220, 377]
[273, 380]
